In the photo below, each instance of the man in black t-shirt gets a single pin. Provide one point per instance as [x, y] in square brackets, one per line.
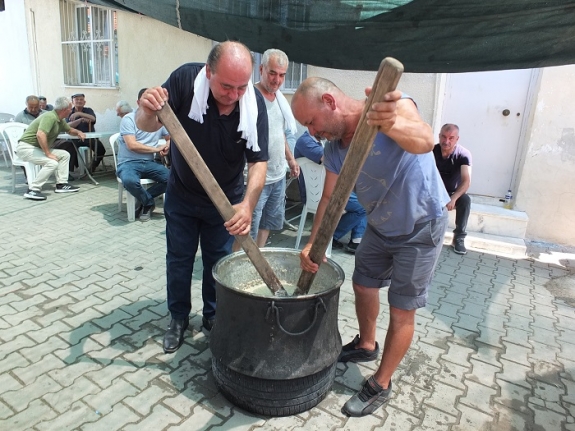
[209, 100]
[454, 164]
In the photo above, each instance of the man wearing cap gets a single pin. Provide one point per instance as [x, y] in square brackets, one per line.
[83, 118]
[44, 104]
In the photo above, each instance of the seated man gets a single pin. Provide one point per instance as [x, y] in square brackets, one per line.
[44, 106]
[31, 112]
[84, 119]
[136, 150]
[35, 146]
[354, 218]
[454, 164]
[34, 110]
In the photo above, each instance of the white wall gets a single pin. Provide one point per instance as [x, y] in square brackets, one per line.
[420, 86]
[547, 185]
[16, 82]
[148, 50]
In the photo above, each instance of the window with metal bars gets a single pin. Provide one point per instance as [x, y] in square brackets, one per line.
[295, 74]
[89, 45]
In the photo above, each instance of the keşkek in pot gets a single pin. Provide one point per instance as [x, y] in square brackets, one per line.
[275, 356]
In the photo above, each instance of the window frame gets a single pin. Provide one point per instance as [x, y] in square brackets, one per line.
[84, 50]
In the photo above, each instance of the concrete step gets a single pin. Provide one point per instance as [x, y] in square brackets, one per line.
[487, 243]
[489, 217]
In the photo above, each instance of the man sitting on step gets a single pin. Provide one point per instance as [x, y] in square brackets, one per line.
[454, 164]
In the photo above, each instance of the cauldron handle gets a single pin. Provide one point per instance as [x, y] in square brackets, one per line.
[276, 311]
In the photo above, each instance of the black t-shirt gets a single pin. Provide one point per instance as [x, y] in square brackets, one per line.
[217, 140]
[450, 168]
[84, 127]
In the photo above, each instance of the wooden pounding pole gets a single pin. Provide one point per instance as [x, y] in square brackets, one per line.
[390, 71]
[214, 191]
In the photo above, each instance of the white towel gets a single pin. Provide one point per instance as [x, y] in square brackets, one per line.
[248, 109]
[289, 119]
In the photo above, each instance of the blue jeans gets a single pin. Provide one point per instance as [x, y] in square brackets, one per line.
[354, 220]
[132, 171]
[188, 225]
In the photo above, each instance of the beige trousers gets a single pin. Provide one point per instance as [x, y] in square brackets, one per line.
[30, 153]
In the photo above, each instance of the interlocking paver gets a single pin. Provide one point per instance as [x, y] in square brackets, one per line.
[81, 342]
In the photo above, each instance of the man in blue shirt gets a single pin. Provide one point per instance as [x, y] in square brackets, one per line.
[404, 198]
[136, 150]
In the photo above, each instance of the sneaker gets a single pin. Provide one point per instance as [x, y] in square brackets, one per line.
[138, 210]
[66, 188]
[336, 245]
[459, 246]
[35, 195]
[208, 324]
[351, 246]
[367, 400]
[146, 213]
[350, 354]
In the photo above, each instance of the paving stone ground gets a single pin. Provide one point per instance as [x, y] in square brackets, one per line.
[83, 312]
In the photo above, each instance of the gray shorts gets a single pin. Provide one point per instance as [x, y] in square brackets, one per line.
[405, 263]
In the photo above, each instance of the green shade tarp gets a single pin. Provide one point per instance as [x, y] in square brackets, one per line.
[425, 35]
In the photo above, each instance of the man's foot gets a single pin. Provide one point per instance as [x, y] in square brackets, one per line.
[336, 245]
[138, 210]
[367, 400]
[66, 188]
[351, 246]
[349, 353]
[35, 195]
[174, 336]
[459, 246]
[208, 324]
[146, 213]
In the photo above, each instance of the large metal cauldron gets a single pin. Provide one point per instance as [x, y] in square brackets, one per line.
[275, 355]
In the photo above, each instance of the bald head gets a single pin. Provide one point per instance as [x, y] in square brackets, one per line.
[312, 89]
[321, 106]
[229, 69]
[231, 50]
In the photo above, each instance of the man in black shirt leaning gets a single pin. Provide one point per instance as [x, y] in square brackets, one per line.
[225, 117]
[454, 164]
[84, 119]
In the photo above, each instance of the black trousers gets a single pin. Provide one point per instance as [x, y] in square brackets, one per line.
[462, 210]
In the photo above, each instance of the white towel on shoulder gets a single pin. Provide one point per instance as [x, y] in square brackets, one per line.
[248, 109]
[285, 107]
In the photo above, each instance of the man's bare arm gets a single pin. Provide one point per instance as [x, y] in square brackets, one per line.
[399, 119]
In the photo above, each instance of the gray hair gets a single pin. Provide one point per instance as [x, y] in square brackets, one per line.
[32, 98]
[61, 103]
[280, 56]
[124, 107]
[449, 127]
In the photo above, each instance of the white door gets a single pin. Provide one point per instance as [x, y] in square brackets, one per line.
[489, 108]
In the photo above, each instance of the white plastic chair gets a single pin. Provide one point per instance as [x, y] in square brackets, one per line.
[314, 176]
[12, 132]
[5, 118]
[130, 199]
